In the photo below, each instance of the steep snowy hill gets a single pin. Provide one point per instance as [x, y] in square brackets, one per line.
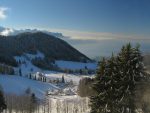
[18, 85]
[27, 67]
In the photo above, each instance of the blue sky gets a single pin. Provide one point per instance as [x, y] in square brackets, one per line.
[100, 21]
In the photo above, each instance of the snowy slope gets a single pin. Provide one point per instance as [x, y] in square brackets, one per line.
[67, 77]
[26, 67]
[74, 65]
[18, 85]
[32, 56]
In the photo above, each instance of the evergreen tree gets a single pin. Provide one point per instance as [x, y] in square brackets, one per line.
[131, 72]
[33, 103]
[30, 76]
[116, 80]
[97, 102]
[63, 80]
[105, 86]
[2, 101]
[20, 72]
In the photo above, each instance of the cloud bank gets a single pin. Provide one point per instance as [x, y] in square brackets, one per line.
[90, 43]
[3, 12]
[78, 35]
[97, 36]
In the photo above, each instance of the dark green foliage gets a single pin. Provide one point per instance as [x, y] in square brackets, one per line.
[30, 76]
[131, 66]
[85, 87]
[63, 79]
[2, 101]
[5, 69]
[53, 48]
[105, 84]
[44, 64]
[116, 81]
[20, 72]
[8, 60]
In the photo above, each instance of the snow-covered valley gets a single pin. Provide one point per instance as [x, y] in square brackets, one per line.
[18, 85]
[70, 103]
[54, 96]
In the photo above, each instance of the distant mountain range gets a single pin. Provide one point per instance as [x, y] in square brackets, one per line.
[30, 42]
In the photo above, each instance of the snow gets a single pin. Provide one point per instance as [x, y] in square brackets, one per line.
[26, 67]
[29, 57]
[68, 104]
[37, 55]
[51, 75]
[61, 95]
[12, 32]
[67, 77]
[74, 65]
[18, 85]
[68, 91]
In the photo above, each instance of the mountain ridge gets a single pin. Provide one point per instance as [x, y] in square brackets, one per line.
[52, 47]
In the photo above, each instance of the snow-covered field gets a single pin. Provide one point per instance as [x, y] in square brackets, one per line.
[68, 104]
[59, 103]
[60, 63]
[54, 103]
[18, 85]
[67, 77]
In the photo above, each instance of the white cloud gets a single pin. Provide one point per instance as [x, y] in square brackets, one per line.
[6, 32]
[81, 35]
[3, 12]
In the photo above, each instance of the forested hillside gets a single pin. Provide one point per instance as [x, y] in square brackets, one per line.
[53, 48]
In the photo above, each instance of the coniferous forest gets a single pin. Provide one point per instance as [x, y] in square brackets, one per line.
[117, 80]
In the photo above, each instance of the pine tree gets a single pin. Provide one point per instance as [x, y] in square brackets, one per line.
[33, 103]
[2, 101]
[20, 72]
[131, 72]
[116, 80]
[97, 102]
[63, 80]
[104, 85]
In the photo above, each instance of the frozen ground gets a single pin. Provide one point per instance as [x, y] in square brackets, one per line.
[18, 85]
[59, 103]
[27, 66]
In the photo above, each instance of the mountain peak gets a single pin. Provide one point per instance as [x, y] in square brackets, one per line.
[52, 47]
